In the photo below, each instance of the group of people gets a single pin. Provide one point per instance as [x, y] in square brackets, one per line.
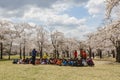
[83, 61]
[57, 61]
[71, 62]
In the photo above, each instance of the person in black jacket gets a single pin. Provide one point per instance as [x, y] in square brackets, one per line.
[33, 56]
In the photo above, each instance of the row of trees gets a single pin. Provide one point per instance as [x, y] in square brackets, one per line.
[113, 13]
[107, 38]
[21, 38]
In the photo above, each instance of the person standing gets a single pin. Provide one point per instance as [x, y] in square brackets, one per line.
[75, 54]
[33, 56]
[84, 55]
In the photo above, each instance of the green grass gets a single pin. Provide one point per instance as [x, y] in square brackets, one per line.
[101, 71]
[14, 57]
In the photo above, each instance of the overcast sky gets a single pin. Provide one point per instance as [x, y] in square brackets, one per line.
[73, 17]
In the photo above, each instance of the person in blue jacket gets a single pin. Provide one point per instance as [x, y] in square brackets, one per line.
[33, 56]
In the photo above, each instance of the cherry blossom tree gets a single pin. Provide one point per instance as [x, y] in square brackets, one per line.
[23, 33]
[41, 39]
[10, 39]
[110, 6]
[56, 38]
[3, 32]
[113, 11]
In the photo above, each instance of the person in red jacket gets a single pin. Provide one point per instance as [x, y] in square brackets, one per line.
[83, 54]
[75, 54]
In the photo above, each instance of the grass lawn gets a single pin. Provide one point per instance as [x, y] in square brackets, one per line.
[101, 71]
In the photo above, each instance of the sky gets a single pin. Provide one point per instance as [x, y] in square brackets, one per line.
[75, 18]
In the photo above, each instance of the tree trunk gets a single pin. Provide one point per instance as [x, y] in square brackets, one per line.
[10, 50]
[54, 53]
[90, 52]
[20, 52]
[24, 52]
[99, 53]
[117, 54]
[57, 54]
[118, 51]
[113, 53]
[41, 52]
[1, 56]
[93, 55]
[67, 54]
